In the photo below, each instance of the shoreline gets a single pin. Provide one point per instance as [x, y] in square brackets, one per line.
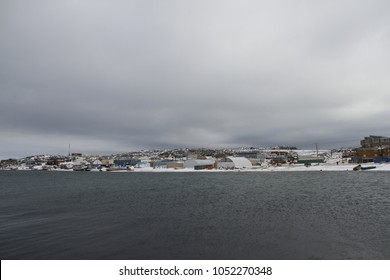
[283, 168]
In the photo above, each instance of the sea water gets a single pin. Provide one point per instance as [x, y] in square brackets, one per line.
[198, 215]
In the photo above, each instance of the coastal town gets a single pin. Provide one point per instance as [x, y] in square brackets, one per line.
[373, 153]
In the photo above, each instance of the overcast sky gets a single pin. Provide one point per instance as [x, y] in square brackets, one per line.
[122, 75]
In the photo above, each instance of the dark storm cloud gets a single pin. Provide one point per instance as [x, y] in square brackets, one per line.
[123, 75]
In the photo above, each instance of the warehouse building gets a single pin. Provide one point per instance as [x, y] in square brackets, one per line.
[234, 163]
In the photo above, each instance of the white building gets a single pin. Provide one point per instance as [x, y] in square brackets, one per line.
[80, 161]
[97, 162]
[142, 164]
[234, 163]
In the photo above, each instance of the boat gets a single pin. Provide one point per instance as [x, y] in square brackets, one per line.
[95, 169]
[368, 167]
[120, 169]
[360, 167]
[80, 168]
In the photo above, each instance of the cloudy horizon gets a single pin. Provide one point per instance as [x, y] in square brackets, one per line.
[117, 76]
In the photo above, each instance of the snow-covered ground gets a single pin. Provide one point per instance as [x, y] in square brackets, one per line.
[329, 167]
[287, 167]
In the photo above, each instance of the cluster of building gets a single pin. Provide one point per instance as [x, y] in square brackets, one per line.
[130, 161]
[373, 149]
[196, 159]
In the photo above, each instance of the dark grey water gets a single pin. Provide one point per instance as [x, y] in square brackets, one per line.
[270, 215]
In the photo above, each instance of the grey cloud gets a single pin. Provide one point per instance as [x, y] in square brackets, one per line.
[146, 74]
